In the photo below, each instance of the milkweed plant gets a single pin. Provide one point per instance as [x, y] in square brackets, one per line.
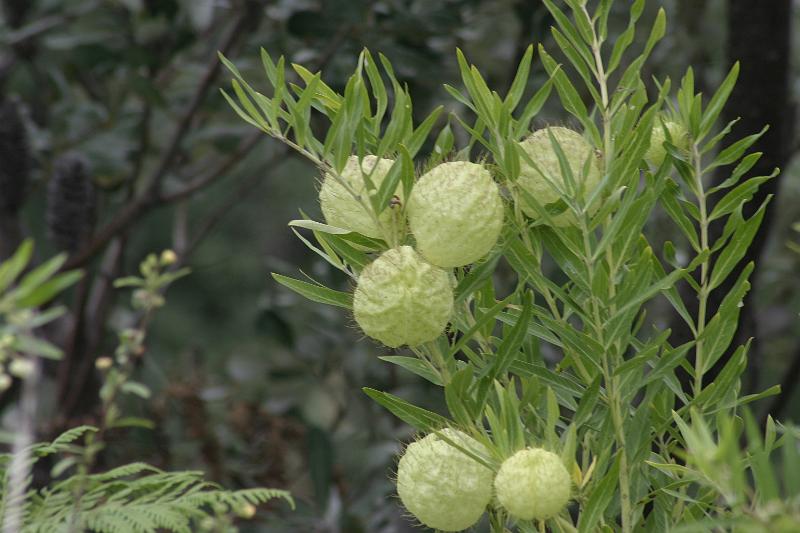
[623, 430]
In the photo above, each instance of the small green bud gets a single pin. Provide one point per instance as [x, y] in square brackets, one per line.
[103, 363]
[21, 367]
[577, 152]
[656, 153]
[533, 484]
[440, 485]
[339, 206]
[455, 213]
[402, 299]
[5, 381]
[168, 257]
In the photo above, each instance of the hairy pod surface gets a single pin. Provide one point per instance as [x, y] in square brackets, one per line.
[402, 299]
[656, 153]
[455, 213]
[440, 485]
[340, 207]
[577, 152]
[533, 484]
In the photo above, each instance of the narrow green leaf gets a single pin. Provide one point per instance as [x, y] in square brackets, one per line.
[417, 417]
[732, 153]
[735, 251]
[316, 293]
[600, 498]
[739, 196]
[718, 101]
[512, 341]
[520, 79]
[13, 267]
[416, 366]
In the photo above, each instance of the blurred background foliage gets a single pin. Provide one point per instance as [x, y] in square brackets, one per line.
[131, 148]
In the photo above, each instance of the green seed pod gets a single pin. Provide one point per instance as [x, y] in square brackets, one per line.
[402, 299]
[339, 206]
[541, 151]
[440, 485]
[455, 213]
[533, 484]
[656, 153]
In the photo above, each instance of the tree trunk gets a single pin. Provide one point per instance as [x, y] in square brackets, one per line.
[759, 35]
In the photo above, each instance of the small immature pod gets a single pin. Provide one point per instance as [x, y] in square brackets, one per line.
[533, 484]
[402, 299]
[577, 152]
[340, 207]
[440, 485]
[656, 153]
[70, 203]
[455, 213]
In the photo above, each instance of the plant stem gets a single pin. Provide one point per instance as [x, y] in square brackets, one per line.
[613, 393]
[699, 363]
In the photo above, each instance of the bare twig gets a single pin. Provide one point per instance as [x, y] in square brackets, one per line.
[199, 96]
[150, 197]
[244, 190]
[220, 170]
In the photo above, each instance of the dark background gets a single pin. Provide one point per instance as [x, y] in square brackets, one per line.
[115, 141]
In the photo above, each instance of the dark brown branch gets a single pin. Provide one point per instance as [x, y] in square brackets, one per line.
[762, 96]
[244, 190]
[149, 199]
[222, 169]
[199, 96]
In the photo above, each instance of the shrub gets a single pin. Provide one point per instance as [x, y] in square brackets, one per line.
[568, 359]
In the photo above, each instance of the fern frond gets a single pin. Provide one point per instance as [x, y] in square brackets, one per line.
[138, 498]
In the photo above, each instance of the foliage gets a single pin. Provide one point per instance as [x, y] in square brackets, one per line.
[569, 362]
[22, 291]
[133, 497]
[756, 491]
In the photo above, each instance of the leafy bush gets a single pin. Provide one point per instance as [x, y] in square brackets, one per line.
[566, 358]
[133, 497]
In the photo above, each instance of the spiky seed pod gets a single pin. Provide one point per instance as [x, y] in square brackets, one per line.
[339, 206]
[656, 153]
[70, 203]
[540, 149]
[402, 299]
[443, 487]
[14, 158]
[533, 484]
[455, 213]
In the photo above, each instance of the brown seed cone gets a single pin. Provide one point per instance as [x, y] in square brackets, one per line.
[70, 203]
[14, 158]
